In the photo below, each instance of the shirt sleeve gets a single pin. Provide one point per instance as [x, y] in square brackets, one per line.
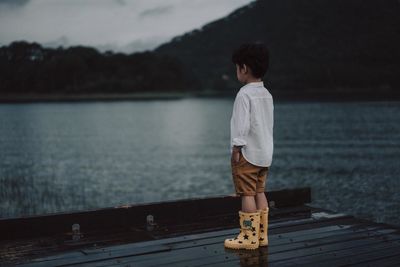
[240, 121]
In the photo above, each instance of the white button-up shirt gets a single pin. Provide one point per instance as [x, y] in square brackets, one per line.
[252, 123]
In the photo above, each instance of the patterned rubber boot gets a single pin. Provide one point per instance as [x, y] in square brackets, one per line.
[263, 227]
[248, 238]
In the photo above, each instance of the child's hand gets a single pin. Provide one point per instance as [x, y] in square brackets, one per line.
[236, 154]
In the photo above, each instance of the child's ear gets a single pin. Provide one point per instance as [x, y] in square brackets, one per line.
[245, 68]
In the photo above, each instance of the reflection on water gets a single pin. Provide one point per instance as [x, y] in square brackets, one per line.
[257, 257]
[62, 157]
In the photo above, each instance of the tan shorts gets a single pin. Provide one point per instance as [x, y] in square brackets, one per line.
[248, 178]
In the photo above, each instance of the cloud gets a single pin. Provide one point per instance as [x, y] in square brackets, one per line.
[13, 3]
[137, 45]
[119, 25]
[61, 41]
[120, 2]
[156, 11]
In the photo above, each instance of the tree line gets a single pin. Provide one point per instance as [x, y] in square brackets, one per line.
[29, 68]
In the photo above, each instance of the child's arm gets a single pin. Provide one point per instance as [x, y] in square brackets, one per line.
[240, 124]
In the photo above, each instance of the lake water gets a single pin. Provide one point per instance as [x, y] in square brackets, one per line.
[77, 156]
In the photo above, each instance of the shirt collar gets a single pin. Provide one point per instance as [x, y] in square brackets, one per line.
[255, 84]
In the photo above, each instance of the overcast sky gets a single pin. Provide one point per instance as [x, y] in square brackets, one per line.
[119, 25]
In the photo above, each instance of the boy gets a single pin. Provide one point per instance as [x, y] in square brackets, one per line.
[251, 145]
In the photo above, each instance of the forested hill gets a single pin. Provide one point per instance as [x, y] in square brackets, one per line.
[29, 69]
[318, 47]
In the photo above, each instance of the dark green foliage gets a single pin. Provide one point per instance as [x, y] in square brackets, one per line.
[315, 45]
[29, 68]
[326, 47]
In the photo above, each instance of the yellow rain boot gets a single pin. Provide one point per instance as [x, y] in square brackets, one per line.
[264, 227]
[249, 232]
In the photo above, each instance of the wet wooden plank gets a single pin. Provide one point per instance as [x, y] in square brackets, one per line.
[27, 248]
[288, 242]
[207, 241]
[388, 261]
[221, 257]
[108, 238]
[272, 226]
[287, 251]
[363, 255]
[94, 258]
[158, 241]
[209, 255]
[191, 250]
[179, 211]
[215, 254]
[299, 235]
[218, 245]
[131, 247]
[214, 260]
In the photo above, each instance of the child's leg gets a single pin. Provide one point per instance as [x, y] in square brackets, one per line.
[249, 204]
[261, 201]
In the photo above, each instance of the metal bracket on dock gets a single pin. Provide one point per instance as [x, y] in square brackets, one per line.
[150, 222]
[76, 232]
[271, 204]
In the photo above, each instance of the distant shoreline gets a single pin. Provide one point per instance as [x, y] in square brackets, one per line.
[27, 98]
[281, 96]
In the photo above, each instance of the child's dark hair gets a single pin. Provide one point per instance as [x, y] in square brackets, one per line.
[255, 56]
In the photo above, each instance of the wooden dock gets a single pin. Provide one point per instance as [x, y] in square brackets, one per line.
[192, 232]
